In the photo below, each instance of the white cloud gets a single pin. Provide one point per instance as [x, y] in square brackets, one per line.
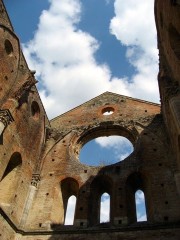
[121, 147]
[134, 26]
[111, 141]
[64, 56]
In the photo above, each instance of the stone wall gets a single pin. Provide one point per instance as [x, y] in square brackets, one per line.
[168, 28]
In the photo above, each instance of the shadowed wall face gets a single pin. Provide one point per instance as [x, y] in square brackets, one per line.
[10, 179]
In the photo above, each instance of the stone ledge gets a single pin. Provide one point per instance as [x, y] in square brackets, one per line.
[60, 229]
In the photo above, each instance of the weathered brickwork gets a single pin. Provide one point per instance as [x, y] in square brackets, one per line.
[167, 18]
[39, 159]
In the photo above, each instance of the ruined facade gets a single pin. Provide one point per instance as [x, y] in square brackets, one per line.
[39, 158]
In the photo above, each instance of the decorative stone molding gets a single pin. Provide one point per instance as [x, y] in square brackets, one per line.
[35, 179]
[5, 119]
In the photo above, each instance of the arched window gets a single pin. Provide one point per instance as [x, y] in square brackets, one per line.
[69, 189]
[10, 178]
[70, 211]
[105, 208]
[140, 206]
[100, 208]
[35, 110]
[135, 196]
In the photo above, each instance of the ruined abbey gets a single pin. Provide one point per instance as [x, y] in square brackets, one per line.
[39, 158]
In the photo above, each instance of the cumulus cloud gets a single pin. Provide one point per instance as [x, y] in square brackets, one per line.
[111, 141]
[134, 26]
[64, 56]
[120, 146]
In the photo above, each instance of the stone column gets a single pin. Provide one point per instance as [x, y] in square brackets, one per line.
[30, 197]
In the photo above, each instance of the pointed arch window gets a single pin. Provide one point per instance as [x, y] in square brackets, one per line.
[69, 189]
[100, 207]
[70, 211]
[136, 191]
[105, 208]
[141, 214]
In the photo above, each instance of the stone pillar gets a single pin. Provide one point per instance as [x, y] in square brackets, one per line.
[32, 190]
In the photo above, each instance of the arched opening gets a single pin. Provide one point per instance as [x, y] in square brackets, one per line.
[104, 145]
[10, 178]
[140, 206]
[70, 211]
[8, 47]
[105, 208]
[135, 197]
[100, 202]
[35, 110]
[107, 111]
[105, 150]
[69, 189]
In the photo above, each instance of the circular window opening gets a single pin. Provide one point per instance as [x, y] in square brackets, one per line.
[8, 47]
[103, 151]
[108, 111]
[35, 110]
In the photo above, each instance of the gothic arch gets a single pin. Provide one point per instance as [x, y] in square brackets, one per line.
[136, 181]
[69, 187]
[100, 185]
[106, 129]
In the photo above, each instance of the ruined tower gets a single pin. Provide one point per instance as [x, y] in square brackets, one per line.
[39, 158]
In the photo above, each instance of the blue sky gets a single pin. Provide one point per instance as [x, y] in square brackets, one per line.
[110, 46]
[82, 48]
[105, 151]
